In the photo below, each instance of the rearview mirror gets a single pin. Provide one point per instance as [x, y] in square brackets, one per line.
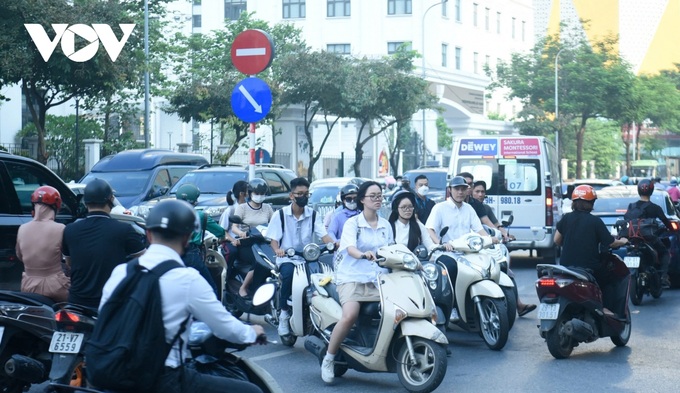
[263, 294]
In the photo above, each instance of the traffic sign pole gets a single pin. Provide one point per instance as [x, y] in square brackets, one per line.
[251, 169]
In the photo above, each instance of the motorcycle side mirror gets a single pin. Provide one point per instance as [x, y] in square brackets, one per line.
[264, 294]
[508, 222]
[235, 219]
[421, 252]
[620, 224]
[442, 233]
[290, 252]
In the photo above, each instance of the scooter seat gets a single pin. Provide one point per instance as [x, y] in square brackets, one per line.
[29, 298]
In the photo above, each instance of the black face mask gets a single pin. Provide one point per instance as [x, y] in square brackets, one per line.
[301, 201]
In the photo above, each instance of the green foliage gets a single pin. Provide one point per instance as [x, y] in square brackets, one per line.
[444, 134]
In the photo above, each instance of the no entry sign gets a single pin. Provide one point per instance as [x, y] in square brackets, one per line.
[252, 51]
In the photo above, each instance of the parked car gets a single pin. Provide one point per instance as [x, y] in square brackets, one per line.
[325, 191]
[612, 203]
[215, 181]
[140, 175]
[597, 184]
[79, 189]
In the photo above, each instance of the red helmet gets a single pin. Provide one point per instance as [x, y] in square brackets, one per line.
[47, 196]
[585, 192]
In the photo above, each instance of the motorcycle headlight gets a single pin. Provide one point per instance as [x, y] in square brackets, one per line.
[215, 210]
[311, 252]
[475, 243]
[409, 262]
[430, 272]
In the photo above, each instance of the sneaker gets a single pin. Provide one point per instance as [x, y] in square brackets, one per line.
[284, 327]
[328, 370]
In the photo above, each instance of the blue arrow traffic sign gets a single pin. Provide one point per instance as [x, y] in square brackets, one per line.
[251, 99]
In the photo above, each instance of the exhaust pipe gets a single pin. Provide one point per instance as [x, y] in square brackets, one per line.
[579, 330]
[25, 369]
[316, 346]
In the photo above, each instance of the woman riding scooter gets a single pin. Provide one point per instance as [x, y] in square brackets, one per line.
[580, 234]
[348, 198]
[406, 228]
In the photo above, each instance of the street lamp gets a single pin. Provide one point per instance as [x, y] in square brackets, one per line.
[422, 49]
[77, 173]
[146, 74]
[557, 128]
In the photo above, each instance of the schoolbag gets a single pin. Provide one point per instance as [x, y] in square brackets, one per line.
[127, 349]
[639, 226]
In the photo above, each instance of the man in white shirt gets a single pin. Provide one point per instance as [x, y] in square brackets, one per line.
[297, 230]
[185, 294]
[456, 214]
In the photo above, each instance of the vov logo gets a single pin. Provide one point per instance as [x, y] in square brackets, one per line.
[67, 35]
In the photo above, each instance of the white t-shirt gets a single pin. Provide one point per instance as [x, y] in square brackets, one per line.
[460, 220]
[358, 233]
[401, 234]
[224, 220]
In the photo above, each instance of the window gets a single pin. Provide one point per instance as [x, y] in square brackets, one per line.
[524, 24]
[26, 179]
[399, 7]
[475, 6]
[475, 62]
[445, 10]
[294, 9]
[275, 183]
[445, 49]
[457, 10]
[458, 58]
[344, 49]
[234, 8]
[513, 27]
[498, 22]
[486, 19]
[338, 8]
[392, 47]
[487, 60]
[196, 21]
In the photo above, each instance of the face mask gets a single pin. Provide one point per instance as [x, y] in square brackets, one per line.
[423, 190]
[301, 201]
[351, 205]
[257, 198]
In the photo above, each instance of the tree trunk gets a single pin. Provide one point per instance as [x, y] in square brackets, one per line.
[358, 152]
[273, 126]
[638, 129]
[625, 132]
[579, 148]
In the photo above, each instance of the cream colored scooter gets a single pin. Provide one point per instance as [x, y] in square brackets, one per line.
[397, 334]
[479, 302]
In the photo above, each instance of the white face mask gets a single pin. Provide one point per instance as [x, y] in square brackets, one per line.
[257, 198]
[351, 205]
[423, 190]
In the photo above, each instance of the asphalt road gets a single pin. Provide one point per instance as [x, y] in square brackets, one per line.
[648, 364]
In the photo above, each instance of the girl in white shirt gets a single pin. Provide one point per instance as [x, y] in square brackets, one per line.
[406, 228]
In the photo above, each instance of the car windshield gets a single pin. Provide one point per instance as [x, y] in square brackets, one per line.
[123, 183]
[436, 180]
[620, 205]
[324, 194]
[211, 182]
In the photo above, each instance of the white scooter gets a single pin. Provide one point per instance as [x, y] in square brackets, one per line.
[397, 334]
[501, 255]
[479, 302]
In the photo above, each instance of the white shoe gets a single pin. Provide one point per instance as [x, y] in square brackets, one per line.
[328, 370]
[284, 327]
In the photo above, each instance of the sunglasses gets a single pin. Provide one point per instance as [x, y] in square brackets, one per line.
[350, 200]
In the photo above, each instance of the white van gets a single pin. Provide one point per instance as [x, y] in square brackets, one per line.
[523, 180]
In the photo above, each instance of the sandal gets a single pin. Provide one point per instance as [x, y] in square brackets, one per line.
[526, 309]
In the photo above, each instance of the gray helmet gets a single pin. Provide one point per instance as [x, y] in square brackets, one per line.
[258, 186]
[458, 181]
[174, 216]
[97, 192]
[348, 189]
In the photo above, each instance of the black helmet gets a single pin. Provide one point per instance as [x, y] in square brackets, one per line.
[348, 189]
[258, 186]
[188, 192]
[458, 181]
[645, 187]
[173, 215]
[399, 195]
[97, 192]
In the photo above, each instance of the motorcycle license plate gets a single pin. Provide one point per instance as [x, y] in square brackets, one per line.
[632, 262]
[63, 342]
[548, 311]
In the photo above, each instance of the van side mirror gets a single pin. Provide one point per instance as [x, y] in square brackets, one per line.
[570, 190]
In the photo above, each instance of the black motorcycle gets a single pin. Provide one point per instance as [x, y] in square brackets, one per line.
[27, 325]
[643, 261]
[75, 324]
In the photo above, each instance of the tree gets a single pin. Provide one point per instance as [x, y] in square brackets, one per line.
[381, 93]
[47, 84]
[444, 134]
[314, 80]
[593, 81]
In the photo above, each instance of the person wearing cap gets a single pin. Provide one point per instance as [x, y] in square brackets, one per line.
[456, 214]
[184, 294]
[673, 190]
[95, 245]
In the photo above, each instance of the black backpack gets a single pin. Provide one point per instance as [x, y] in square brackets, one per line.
[127, 349]
[639, 226]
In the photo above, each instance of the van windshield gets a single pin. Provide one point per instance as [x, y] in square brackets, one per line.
[123, 183]
[505, 176]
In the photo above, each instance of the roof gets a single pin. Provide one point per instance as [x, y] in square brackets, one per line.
[143, 159]
[338, 181]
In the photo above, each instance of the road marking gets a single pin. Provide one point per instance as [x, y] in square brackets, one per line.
[272, 355]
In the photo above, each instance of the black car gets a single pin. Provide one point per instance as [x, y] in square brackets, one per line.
[19, 177]
[215, 181]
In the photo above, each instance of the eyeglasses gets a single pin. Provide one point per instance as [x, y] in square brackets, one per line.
[374, 197]
[301, 194]
[350, 200]
[406, 208]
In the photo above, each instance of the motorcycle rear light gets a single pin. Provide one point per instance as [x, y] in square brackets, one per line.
[64, 316]
[675, 225]
[563, 282]
[546, 282]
